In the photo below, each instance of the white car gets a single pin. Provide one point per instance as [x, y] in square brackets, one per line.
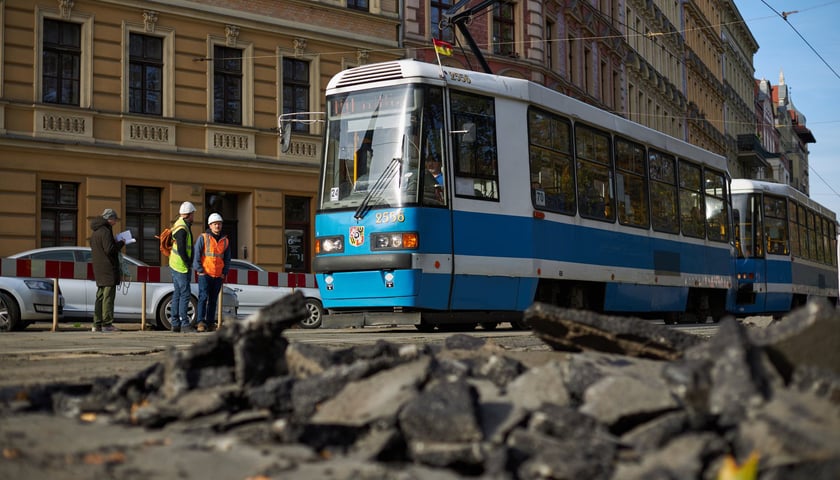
[24, 300]
[253, 297]
[80, 295]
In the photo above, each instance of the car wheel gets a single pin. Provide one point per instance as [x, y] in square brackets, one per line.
[9, 313]
[316, 314]
[164, 316]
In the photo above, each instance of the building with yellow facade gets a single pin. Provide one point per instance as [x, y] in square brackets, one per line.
[139, 106]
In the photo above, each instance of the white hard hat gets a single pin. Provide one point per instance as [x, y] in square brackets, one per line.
[186, 208]
[214, 217]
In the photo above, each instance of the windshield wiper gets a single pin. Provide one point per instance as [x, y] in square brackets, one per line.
[383, 181]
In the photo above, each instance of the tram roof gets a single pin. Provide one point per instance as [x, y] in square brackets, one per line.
[520, 89]
[746, 185]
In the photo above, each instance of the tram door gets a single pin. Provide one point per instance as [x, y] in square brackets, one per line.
[752, 263]
[480, 239]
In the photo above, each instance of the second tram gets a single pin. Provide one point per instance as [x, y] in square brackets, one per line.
[786, 244]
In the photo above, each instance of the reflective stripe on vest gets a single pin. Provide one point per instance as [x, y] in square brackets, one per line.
[213, 262]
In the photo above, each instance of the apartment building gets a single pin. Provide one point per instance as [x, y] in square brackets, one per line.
[139, 106]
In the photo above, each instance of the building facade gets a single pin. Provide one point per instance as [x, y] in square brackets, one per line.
[139, 106]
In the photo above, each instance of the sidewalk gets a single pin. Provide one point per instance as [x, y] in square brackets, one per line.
[77, 337]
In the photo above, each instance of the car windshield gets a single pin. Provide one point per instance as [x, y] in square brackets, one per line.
[375, 143]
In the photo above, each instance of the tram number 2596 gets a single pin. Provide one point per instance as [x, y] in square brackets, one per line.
[396, 216]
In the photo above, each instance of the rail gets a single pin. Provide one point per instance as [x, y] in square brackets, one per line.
[57, 270]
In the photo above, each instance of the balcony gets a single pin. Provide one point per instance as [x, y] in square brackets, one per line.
[751, 153]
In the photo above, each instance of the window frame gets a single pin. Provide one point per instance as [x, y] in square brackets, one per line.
[85, 58]
[467, 170]
[361, 5]
[659, 186]
[637, 171]
[230, 79]
[547, 157]
[692, 223]
[147, 65]
[297, 127]
[593, 163]
[503, 25]
[62, 213]
[168, 70]
[436, 10]
[247, 93]
[146, 225]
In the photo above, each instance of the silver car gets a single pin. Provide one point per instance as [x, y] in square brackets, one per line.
[80, 295]
[253, 297]
[25, 300]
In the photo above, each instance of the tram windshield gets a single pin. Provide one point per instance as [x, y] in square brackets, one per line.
[384, 148]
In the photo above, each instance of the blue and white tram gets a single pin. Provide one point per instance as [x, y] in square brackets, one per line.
[541, 198]
[786, 245]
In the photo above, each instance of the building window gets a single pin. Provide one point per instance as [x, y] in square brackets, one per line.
[504, 39]
[59, 213]
[62, 56]
[227, 85]
[550, 44]
[296, 90]
[145, 77]
[572, 71]
[142, 217]
[475, 156]
[358, 5]
[436, 11]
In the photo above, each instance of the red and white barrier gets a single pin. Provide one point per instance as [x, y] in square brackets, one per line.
[13, 267]
[56, 270]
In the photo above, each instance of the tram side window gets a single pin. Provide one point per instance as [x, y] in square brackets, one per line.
[552, 174]
[803, 231]
[793, 229]
[663, 192]
[594, 175]
[813, 239]
[820, 236]
[692, 206]
[476, 156]
[717, 211]
[631, 184]
[775, 225]
[832, 239]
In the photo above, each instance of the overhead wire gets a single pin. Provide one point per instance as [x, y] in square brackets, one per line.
[651, 35]
[784, 16]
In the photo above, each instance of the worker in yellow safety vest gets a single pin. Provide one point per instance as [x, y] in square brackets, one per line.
[180, 262]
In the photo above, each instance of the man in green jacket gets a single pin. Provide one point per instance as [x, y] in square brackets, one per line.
[105, 255]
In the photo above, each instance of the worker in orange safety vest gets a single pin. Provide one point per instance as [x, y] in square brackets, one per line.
[211, 261]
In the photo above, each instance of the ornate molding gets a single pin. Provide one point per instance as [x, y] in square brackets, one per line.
[66, 8]
[228, 142]
[299, 46]
[148, 133]
[231, 34]
[362, 56]
[150, 18]
[60, 124]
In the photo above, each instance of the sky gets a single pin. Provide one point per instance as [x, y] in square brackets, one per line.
[814, 86]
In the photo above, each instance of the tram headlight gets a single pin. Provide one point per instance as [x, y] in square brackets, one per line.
[329, 245]
[394, 241]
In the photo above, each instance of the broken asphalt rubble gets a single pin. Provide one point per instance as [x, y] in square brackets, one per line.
[622, 399]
